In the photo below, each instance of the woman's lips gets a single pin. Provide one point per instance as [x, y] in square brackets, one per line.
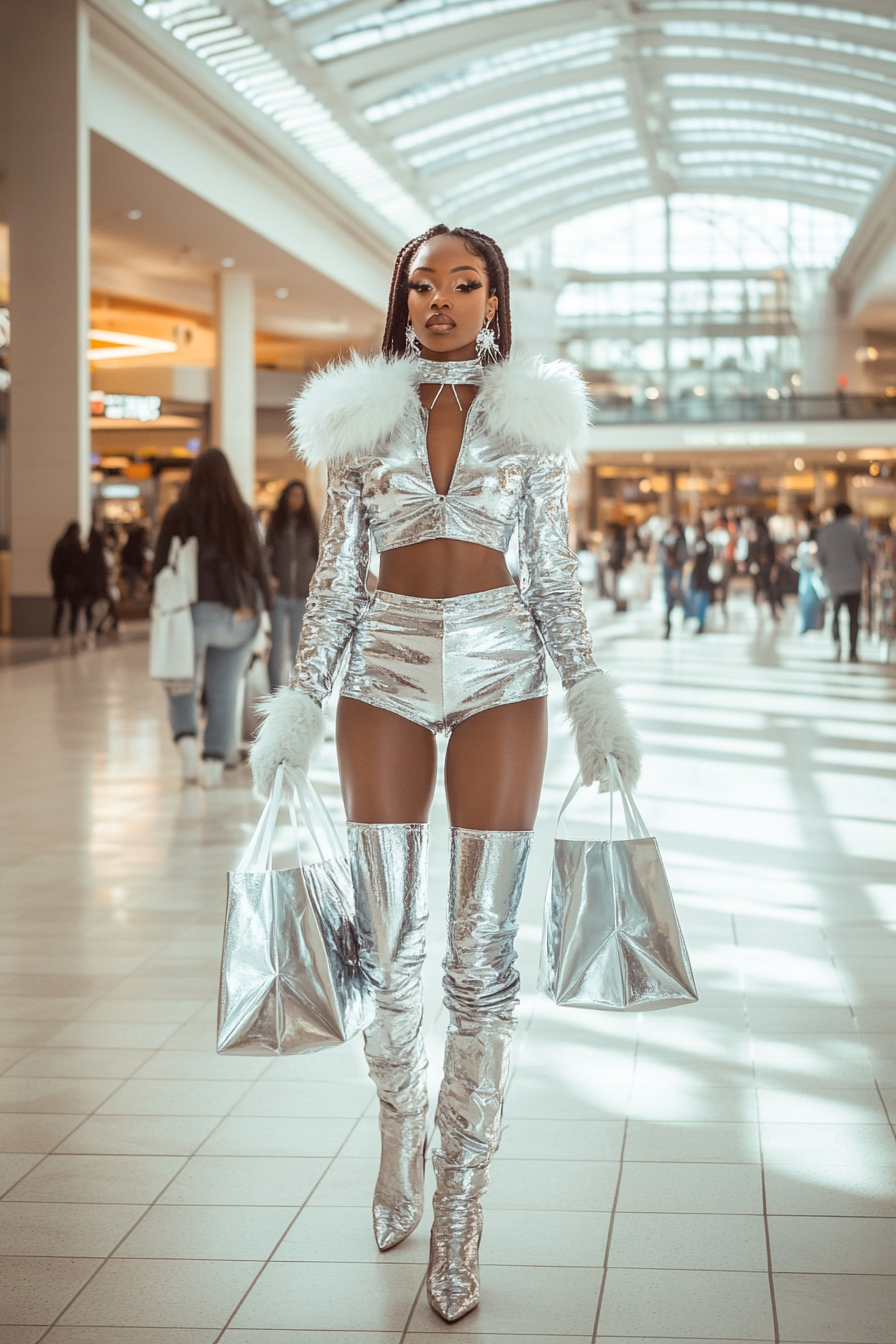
[440, 324]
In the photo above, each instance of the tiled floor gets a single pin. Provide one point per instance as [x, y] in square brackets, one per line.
[723, 1172]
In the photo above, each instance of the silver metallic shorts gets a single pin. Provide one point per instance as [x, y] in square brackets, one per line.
[437, 660]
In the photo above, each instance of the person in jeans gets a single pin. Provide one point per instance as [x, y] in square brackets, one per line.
[233, 588]
[673, 554]
[843, 551]
[292, 556]
[699, 584]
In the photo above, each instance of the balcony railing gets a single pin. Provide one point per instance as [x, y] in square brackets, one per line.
[689, 410]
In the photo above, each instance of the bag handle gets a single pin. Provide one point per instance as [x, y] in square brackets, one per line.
[635, 824]
[319, 823]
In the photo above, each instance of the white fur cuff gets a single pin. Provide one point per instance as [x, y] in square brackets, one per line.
[292, 730]
[602, 728]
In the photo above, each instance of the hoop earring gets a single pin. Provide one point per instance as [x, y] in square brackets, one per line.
[486, 345]
[412, 345]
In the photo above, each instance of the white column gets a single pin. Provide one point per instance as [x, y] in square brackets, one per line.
[233, 409]
[43, 108]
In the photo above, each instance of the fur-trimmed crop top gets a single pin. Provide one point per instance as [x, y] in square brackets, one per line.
[365, 421]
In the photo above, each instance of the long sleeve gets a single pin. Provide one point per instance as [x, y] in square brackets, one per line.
[548, 571]
[337, 597]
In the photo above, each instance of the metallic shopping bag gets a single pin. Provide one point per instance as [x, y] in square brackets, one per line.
[611, 934]
[291, 979]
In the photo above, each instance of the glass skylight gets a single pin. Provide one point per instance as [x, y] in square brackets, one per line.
[209, 32]
[411, 19]
[513, 107]
[515, 134]
[552, 161]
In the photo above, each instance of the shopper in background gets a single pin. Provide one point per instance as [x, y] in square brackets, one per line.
[99, 606]
[233, 589]
[811, 587]
[700, 585]
[617, 558]
[673, 552]
[843, 553]
[133, 559]
[67, 573]
[763, 564]
[292, 556]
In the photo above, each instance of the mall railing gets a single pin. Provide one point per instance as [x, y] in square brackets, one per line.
[687, 410]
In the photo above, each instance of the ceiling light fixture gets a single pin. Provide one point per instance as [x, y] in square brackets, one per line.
[125, 345]
[281, 293]
[135, 214]
[227, 262]
[841, 456]
[799, 464]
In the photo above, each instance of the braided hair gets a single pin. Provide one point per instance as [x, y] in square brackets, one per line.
[481, 246]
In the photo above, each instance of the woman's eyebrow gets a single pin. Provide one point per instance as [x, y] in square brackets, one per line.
[431, 269]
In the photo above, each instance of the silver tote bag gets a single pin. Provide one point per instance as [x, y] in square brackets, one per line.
[611, 935]
[291, 980]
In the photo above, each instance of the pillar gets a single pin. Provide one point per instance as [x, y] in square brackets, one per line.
[233, 408]
[44, 114]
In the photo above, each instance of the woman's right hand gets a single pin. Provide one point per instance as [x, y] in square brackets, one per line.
[292, 730]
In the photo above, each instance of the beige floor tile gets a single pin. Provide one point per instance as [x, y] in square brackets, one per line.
[206, 1232]
[345, 1234]
[689, 1304]
[720, 1142]
[688, 1241]
[246, 1180]
[841, 1145]
[308, 1099]
[814, 1245]
[293, 1136]
[70, 1063]
[194, 1294]
[522, 1301]
[112, 1035]
[824, 1308]
[21, 1334]
[691, 1187]
[44, 1229]
[154, 1135]
[544, 1237]
[375, 1297]
[13, 1166]
[837, 1192]
[844, 1106]
[239, 1336]
[11, 1055]
[166, 1096]
[141, 1010]
[690, 1105]
[585, 1187]
[45, 1096]
[35, 1133]
[93, 1334]
[201, 1064]
[33, 1291]
[81, 1179]
[568, 1140]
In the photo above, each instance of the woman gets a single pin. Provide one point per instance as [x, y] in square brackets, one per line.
[673, 552]
[233, 587]
[292, 549]
[700, 586]
[67, 573]
[99, 603]
[439, 450]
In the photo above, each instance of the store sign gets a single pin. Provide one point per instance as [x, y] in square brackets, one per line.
[114, 406]
[119, 490]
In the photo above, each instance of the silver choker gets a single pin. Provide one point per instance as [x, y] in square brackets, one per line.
[455, 372]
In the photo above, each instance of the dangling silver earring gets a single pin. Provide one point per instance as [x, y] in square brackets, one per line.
[486, 345]
[412, 345]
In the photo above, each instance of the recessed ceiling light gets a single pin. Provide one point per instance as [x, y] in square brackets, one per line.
[135, 214]
[227, 262]
[281, 293]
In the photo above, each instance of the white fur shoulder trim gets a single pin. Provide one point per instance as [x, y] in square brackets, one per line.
[543, 405]
[351, 409]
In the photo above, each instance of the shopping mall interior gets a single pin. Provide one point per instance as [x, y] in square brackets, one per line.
[200, 207]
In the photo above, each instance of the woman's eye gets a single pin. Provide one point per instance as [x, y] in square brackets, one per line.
[467, 286]
[419, 286]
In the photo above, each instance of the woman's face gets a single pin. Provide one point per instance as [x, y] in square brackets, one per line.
[295, 499]
[448, 298]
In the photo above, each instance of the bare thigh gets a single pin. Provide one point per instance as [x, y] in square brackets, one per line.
[495, 766]
[387, 765]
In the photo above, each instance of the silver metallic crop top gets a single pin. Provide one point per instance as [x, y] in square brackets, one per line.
[364, 419]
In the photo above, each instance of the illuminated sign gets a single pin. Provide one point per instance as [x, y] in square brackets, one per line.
[119, 490]
[114, 406]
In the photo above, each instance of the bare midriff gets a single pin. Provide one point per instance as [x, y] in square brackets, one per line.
[442, 568]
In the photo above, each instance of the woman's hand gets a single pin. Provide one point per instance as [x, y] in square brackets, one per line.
[292, 730]
[602, 727]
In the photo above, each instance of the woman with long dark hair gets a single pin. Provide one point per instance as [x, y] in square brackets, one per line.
[233, 589]
[67, 573]
[439, 450]
[292, 549]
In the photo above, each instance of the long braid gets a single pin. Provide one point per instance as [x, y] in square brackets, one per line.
[486, 249]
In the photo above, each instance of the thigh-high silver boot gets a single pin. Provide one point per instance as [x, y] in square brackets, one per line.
[481, 984]
[389, 876]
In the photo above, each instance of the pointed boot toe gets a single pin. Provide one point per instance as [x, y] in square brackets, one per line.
[392, 1223]
[452, 1283]
[398, 1197]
